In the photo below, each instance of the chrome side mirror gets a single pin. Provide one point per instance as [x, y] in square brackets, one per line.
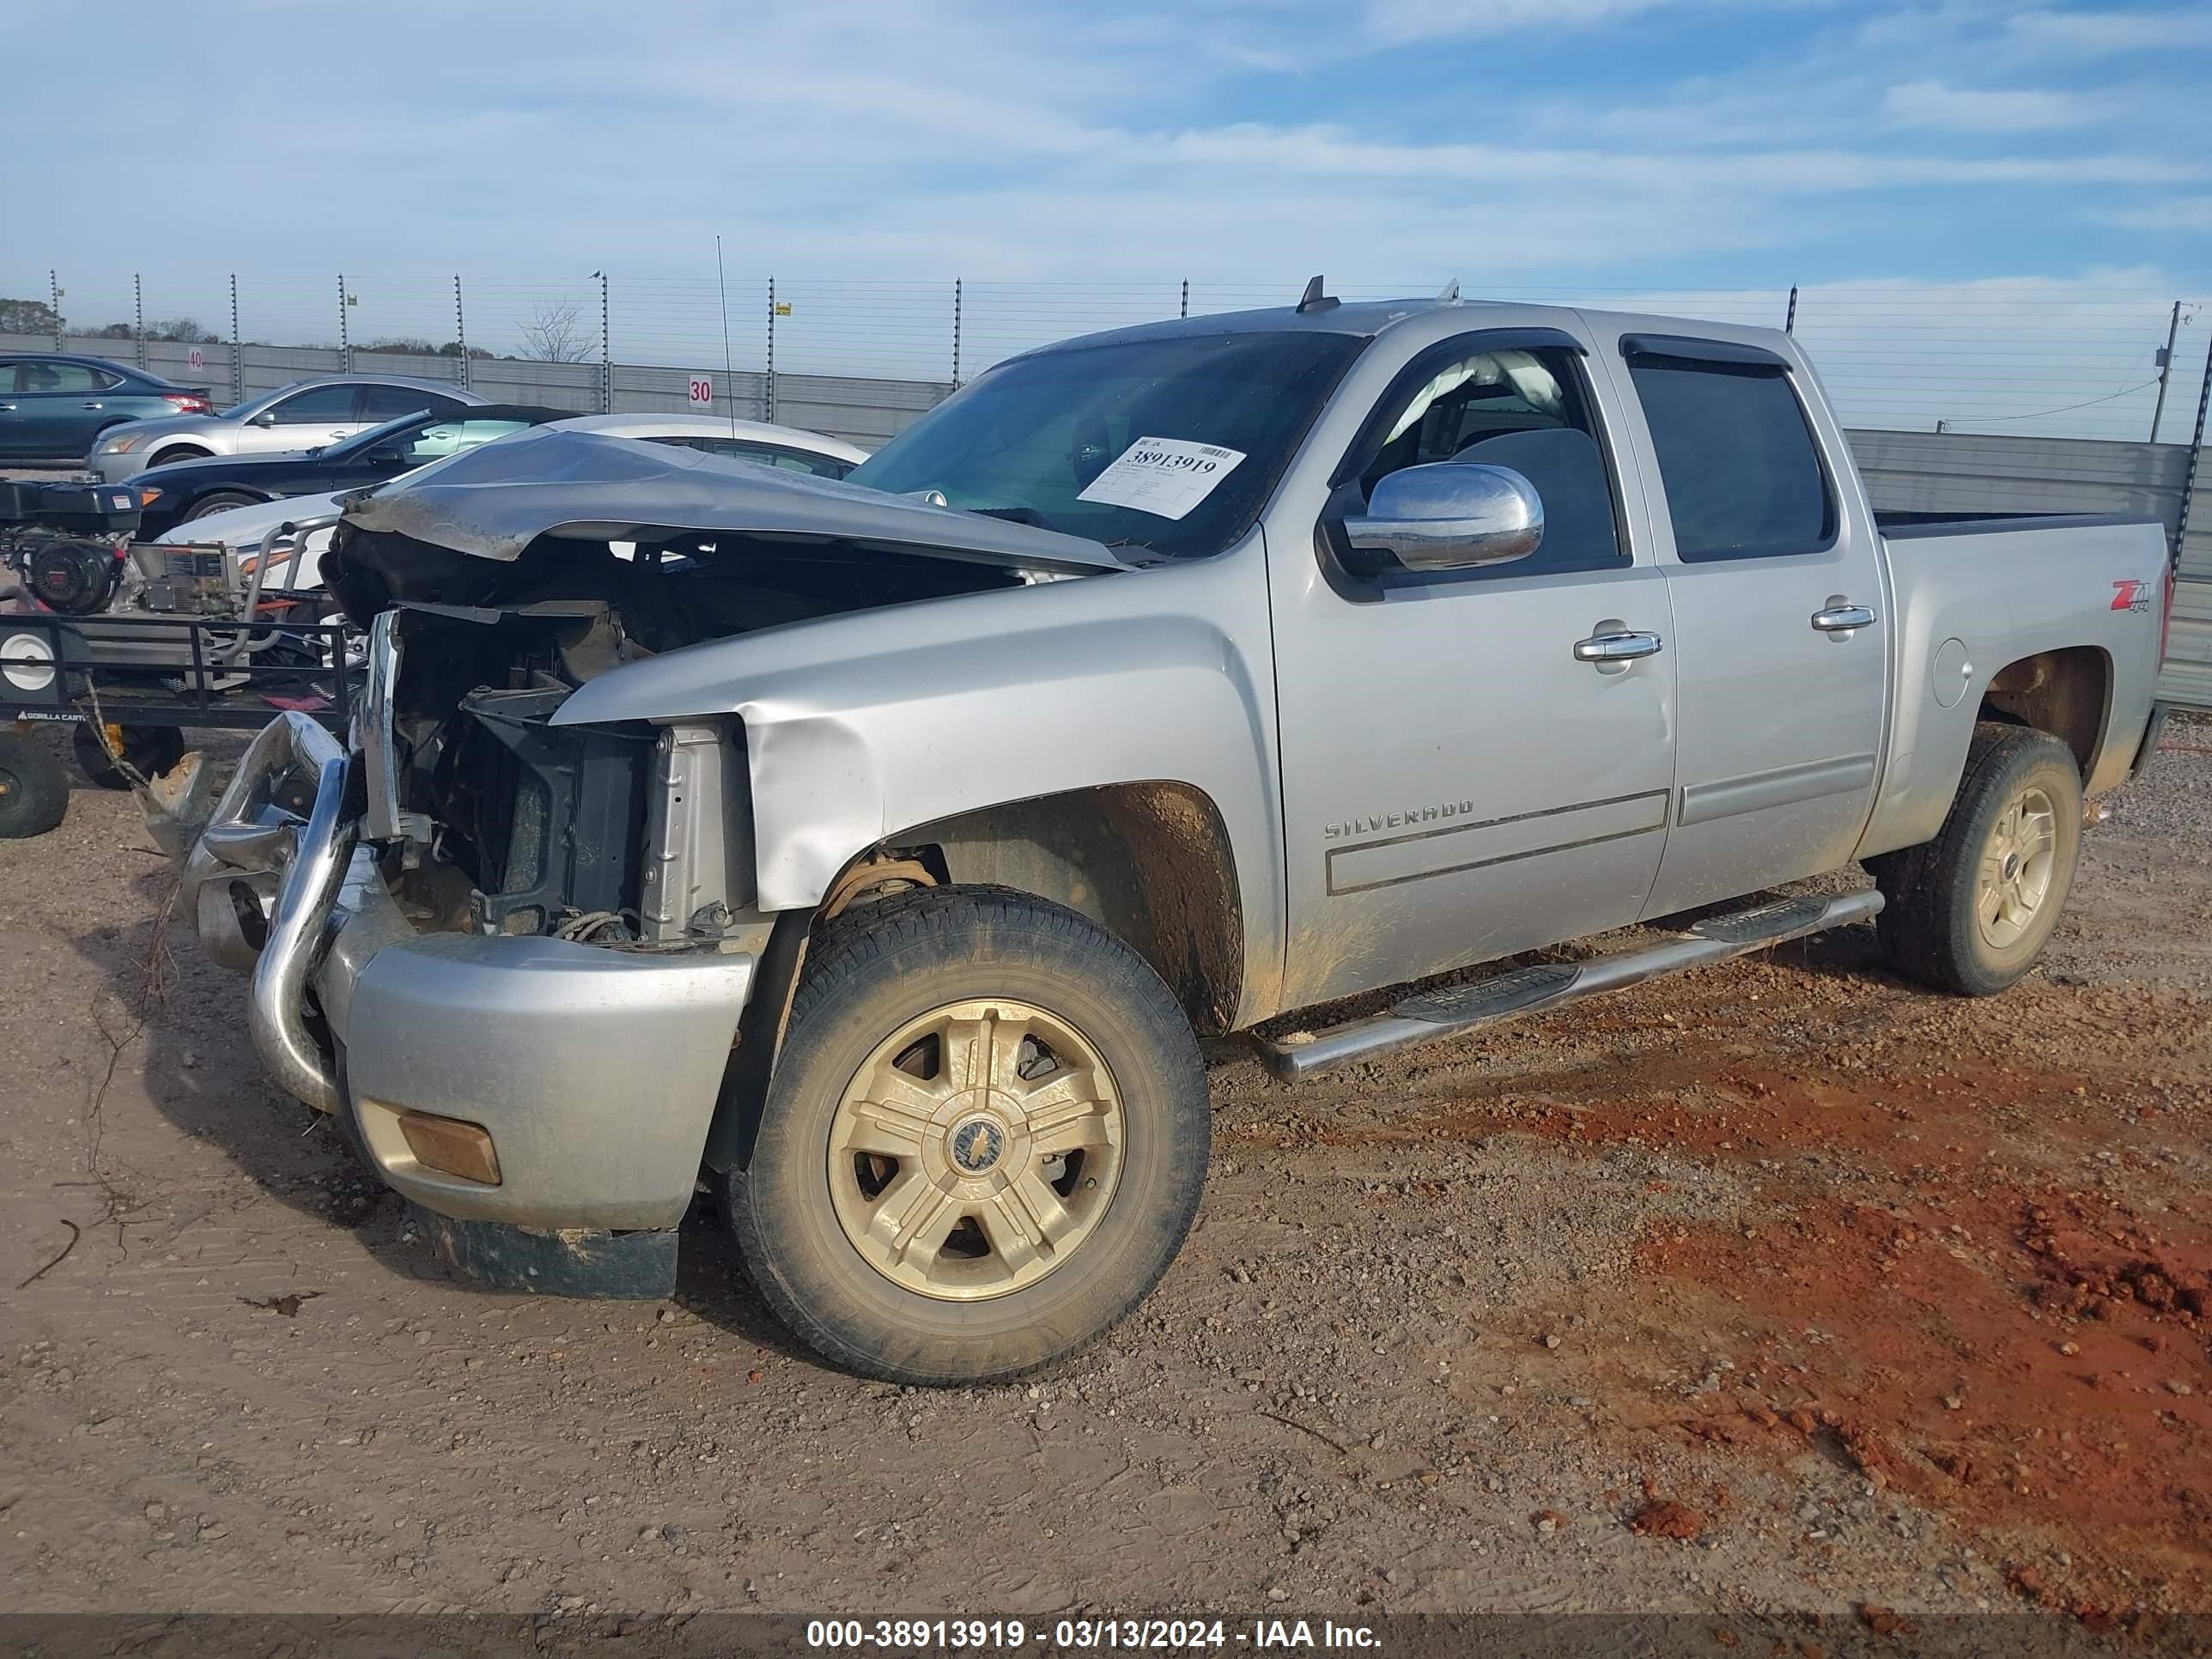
[266, 417]
[1449, 515]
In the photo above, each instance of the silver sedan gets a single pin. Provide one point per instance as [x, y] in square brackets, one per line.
[296, 416]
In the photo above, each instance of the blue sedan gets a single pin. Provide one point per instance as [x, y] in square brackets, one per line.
[52, 407]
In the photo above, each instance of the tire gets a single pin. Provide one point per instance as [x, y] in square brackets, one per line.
[153, 749]
[180, 453]
[1950, 923]
[989, 1304]
[33, 788]
[221, 501]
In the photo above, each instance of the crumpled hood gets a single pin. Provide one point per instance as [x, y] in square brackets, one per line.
[492, 501]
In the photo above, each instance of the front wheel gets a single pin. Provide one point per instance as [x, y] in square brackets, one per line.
[984, 1142]
[1970, 911]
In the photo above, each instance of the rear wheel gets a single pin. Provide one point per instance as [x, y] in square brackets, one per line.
[221, 501]
[150, 749]
[1971, 911]
[33, 788]
[984, 1142]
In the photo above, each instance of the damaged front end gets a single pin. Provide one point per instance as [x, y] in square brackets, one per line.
[510, 953]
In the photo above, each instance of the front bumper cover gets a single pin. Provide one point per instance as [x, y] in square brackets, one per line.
[595, 1071]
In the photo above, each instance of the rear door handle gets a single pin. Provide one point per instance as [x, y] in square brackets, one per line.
[1618, 648]
[1838, 616]
[95, 405]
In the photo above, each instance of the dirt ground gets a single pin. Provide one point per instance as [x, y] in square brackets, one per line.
[1779, 1286]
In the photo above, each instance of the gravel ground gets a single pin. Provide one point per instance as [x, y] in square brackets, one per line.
[1782, 1287]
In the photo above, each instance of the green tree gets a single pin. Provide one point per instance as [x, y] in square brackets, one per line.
[27, 316]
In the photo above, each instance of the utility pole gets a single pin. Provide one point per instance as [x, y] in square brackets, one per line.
[345, 343]
[1790, 322]
[2165, 369]
[1185, 311]
[54, 283]
[237, 347]
[955, 333]
[771, 349]
[138, 312]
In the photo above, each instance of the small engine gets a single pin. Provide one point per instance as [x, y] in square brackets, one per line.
[74, 576]
[68, 542]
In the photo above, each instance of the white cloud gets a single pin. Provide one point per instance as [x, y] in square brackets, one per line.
[2189, 215]
[1973, 109]
[2102, 33]
[1398, 21]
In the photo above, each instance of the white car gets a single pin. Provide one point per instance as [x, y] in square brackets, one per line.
[243, 528]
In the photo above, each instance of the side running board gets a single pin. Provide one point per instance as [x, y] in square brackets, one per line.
[1458, 1009]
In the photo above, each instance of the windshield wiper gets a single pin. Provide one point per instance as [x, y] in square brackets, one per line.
[1028, 515]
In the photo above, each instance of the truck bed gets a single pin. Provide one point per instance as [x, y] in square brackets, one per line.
[2059, 597]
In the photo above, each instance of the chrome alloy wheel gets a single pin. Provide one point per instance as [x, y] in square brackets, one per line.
[976, 1150]
[2018, 863]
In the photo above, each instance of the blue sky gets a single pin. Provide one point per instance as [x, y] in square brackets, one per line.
[1744, 142]
[1652, 145]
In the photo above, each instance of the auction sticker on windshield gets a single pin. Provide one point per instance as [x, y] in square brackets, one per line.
[1165, 477]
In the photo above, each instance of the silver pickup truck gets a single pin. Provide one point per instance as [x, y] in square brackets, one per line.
[870, 855]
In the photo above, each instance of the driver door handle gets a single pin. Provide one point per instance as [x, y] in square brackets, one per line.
[1618, 648]
[1843, 618]
[95, 405]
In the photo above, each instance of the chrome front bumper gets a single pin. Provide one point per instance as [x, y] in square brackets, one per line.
[595, 1072]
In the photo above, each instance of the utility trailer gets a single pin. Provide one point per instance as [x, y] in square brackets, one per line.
[133, 685]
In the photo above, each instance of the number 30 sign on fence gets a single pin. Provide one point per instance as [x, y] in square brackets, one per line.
[702, 392]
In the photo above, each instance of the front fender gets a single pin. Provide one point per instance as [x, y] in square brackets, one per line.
[859, 727]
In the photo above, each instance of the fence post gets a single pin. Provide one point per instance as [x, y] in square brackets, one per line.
[460, 329]
[1185, 311]
[237, 347]
[955, 333]
[138, 312]
[54, 285]
[607, 350]
[345, 344]
[771, 350]
[1790, 322]
[2164, 368]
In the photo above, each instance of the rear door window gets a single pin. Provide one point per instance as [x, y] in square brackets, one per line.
[1742, 474]
[388, 403]
[35, 376]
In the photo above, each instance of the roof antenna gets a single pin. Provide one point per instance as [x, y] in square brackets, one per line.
[1315, 300]
[1450, 294]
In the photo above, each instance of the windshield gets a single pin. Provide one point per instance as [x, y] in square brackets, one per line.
[1167, 444]
[373, 436]
[421, 437]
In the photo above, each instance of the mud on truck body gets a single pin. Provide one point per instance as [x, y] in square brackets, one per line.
[873, 853]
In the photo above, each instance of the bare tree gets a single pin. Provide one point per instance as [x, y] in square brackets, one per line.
[189, 330]
[555, 332]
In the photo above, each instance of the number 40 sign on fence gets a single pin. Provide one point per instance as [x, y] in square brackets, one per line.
[702, 392]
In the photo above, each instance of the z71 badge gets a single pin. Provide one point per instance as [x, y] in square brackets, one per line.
[2132, 595]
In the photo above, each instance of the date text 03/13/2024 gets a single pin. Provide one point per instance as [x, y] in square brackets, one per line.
[1085, 1634]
